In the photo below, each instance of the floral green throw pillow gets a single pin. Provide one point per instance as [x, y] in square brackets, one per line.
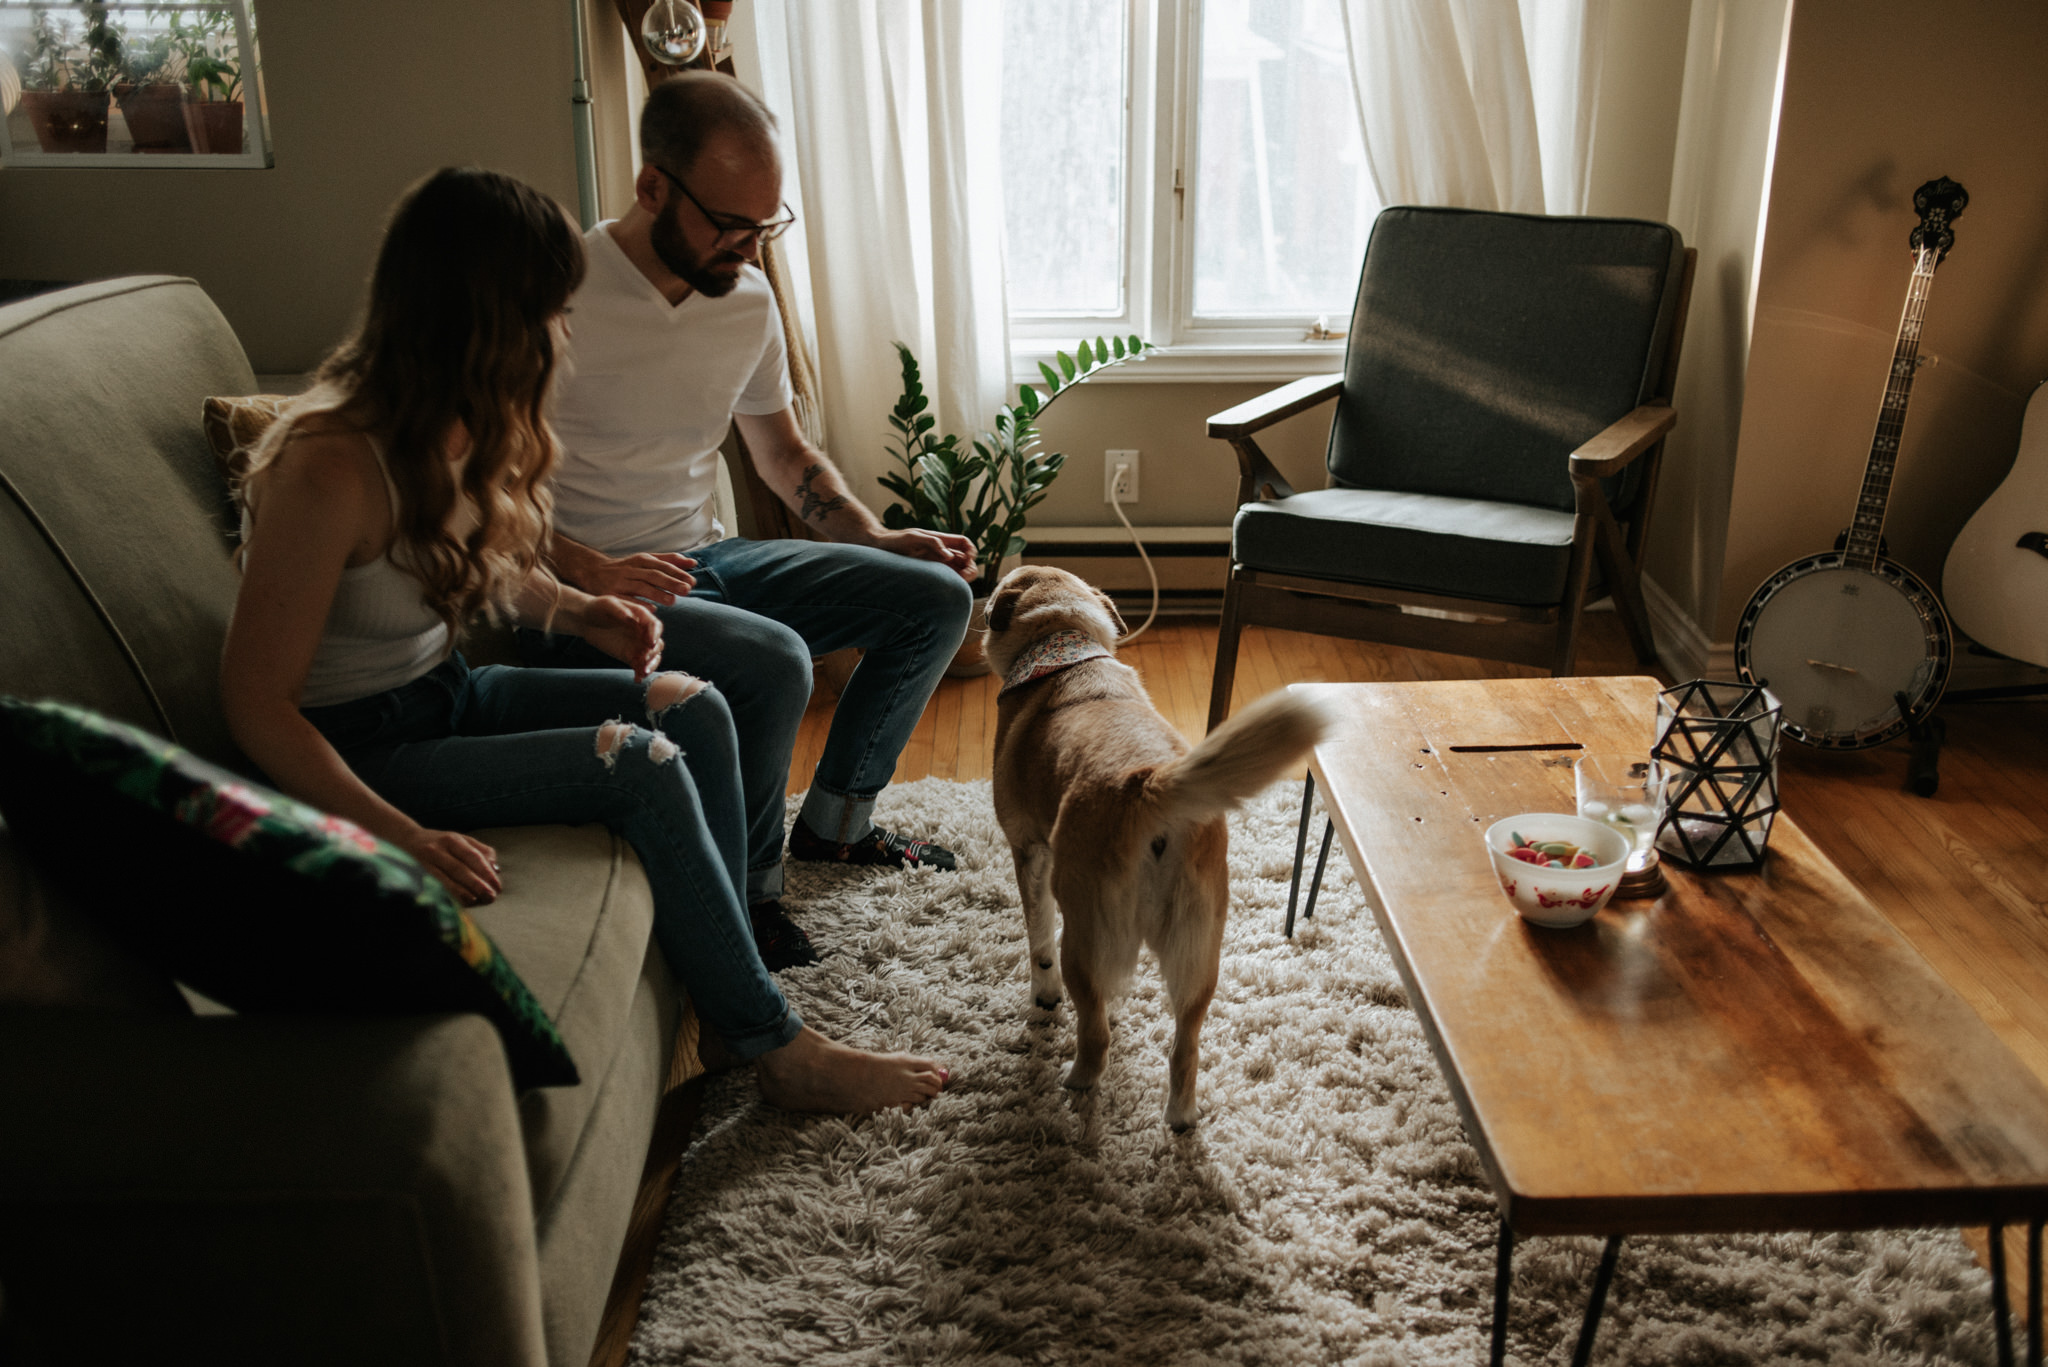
[260, 902]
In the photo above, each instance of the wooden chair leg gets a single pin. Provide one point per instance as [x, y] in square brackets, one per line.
[1226, 655]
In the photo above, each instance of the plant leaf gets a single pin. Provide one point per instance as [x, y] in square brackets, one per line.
[1066, 364]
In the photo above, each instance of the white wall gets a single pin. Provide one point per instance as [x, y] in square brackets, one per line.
[1881, 96]
[1732, 62]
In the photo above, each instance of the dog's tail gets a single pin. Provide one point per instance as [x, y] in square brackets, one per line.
[1264, 742]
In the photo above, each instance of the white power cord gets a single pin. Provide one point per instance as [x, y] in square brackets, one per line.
[1118, 509]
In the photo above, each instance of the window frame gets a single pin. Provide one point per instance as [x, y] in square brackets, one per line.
[256, 153]
[1161, 129]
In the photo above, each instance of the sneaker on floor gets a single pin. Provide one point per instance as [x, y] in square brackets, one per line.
[782, 942]
[878, 846]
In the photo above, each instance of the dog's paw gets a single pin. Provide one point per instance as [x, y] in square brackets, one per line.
[1046, 1002]
[1076, 1080]
[1182, 1113]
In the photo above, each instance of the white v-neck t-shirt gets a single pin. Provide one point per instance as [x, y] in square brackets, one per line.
[649, 393]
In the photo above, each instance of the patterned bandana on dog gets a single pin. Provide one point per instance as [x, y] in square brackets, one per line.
[1050, 654]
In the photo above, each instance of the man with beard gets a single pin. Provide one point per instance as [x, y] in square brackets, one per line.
[675, 338]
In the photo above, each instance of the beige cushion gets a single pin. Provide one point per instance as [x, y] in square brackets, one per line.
[235, 427]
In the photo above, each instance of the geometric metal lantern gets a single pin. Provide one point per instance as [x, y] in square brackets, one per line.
[1718, 743]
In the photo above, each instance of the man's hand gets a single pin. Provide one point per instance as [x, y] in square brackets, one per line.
[659, 577]
[953, 551]
[624, 630]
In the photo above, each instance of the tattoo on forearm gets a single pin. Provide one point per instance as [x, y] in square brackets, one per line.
[816, 508]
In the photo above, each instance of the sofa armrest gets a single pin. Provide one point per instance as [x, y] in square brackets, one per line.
[265, 1189]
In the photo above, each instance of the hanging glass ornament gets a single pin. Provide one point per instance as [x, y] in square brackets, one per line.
[673, 32]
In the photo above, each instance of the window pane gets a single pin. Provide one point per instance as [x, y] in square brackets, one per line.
[1063, 154]
[1283, 201]
[129, 82]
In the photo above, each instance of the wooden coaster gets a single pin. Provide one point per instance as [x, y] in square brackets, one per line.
[1647, 882]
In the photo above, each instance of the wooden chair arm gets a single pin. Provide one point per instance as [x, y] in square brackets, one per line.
[1255, 415]
[1620, 442]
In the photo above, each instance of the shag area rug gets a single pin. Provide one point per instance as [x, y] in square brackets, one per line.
[1327, 1209]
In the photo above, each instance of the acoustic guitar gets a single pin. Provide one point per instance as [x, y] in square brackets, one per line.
[1855, 647]
[1996, 579]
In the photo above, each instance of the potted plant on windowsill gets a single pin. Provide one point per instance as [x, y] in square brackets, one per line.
[65, 81]
[151, 98]
[213, 107]
[986, 489]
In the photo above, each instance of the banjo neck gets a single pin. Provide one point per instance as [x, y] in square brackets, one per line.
[1866, 530]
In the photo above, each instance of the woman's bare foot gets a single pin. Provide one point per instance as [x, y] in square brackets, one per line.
[712, 1053]
[812, 1073]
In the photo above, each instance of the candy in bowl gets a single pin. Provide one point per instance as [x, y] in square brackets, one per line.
[1557, 869]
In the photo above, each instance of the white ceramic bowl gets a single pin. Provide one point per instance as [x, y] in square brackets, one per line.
[1558, 897]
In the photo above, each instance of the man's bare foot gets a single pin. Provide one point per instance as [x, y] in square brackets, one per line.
[812, 1073]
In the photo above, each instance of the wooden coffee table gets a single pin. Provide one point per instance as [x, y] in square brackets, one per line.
[1754, 1051]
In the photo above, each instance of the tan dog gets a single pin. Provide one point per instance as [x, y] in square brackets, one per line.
[1110, 814]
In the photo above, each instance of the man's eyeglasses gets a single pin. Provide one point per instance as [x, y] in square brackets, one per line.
[734, 231]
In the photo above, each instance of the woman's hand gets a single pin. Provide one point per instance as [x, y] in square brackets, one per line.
[624, 630]
[466, 867]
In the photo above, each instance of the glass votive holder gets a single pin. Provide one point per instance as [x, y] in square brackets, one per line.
[1625, 791]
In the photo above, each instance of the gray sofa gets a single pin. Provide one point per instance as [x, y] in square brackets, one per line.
[240, 1189]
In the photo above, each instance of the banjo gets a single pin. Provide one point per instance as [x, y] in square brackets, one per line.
[1855, 647]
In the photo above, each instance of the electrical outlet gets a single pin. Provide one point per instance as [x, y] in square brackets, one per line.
[1125, 491]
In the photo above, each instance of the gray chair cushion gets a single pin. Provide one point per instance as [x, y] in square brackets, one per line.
[1485, 347]
[1463, 547]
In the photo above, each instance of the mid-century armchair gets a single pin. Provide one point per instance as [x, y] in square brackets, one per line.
[1503, 405]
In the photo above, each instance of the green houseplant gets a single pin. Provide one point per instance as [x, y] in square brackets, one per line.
[985, 489]
[66, 78]
[213, 107]
[152, 98]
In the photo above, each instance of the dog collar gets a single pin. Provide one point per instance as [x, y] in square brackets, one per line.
[1050, 654]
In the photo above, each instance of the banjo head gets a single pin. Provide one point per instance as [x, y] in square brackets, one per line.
[1836, 643]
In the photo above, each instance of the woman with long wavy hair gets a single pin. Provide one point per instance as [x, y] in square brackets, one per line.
[406, 493]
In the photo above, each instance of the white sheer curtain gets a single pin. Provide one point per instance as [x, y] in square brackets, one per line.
[1478, 104]
[891, 114]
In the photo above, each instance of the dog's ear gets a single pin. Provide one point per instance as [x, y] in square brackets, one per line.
[1114, 615]
[1002, 605]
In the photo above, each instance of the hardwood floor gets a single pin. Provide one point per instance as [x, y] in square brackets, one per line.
[1963, 875]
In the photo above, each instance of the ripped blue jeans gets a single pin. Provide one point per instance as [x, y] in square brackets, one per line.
[461, 748]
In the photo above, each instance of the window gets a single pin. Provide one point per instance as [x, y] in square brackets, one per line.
[164, 83]
[1189, 170]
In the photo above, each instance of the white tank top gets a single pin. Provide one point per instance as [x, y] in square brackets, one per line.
[380, 633]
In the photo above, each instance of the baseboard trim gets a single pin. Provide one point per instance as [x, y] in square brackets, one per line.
[1682, 647]
[1192, 563]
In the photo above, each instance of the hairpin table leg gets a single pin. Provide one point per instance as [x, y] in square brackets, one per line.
[1322, 858]
[1503, 1275]
[1601, 1281]
[1308, 797]
[2001, 1327]
[2034, 1292]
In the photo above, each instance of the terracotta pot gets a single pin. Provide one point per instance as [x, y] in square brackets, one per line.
[969, 662]
[215, 126]
[68, 120]
[156, 116]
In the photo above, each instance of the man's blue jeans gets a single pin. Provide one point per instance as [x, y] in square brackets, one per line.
[760, 611]
[461, 748]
